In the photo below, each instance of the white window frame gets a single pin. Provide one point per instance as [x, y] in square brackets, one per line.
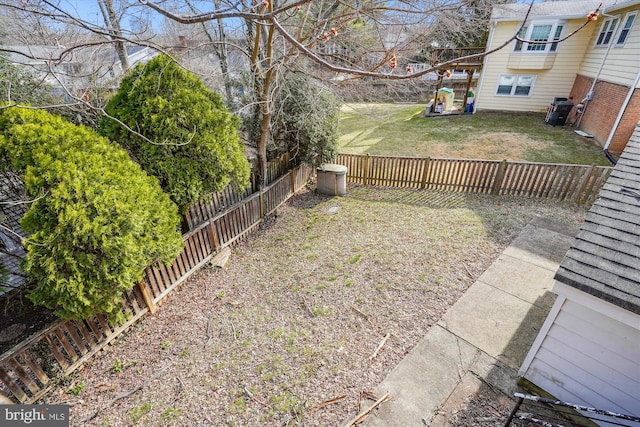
[531, 48]
[634, 17]
[606, 32]
[516, 77]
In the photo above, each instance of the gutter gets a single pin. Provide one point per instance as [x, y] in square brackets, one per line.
[621, 5]
[632, 89]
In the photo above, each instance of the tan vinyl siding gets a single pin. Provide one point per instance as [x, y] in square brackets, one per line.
[554, 82]
[622, 62]
[589, 358]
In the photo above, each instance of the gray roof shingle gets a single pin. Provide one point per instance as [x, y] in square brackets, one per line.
[604, 260]
[548, 9]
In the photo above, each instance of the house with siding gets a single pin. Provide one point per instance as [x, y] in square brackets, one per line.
[79, 68]
[597, 69]
[588, 349]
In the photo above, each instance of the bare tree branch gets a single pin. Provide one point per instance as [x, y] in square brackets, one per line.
[371, 38]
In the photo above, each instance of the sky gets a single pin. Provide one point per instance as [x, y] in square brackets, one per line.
[87, 9]
[90, 11]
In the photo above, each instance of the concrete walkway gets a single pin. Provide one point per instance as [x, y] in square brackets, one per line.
[486, 334]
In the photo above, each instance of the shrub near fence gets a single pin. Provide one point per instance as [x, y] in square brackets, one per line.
[215, 203]
[575, 183]
[30, 369]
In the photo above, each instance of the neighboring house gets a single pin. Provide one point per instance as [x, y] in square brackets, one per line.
[198, 55]
[598, 69]
[588, 350]
[79, 68]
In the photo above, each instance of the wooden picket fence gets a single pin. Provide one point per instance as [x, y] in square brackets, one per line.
[211, 205]
[33, 367]
[575, 183]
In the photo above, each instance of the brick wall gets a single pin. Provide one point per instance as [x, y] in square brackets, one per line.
[630, 120]
[601, 112]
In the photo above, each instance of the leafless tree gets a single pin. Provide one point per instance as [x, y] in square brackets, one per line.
[112, 23]
[334, 40]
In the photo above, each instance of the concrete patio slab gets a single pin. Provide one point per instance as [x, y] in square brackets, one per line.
[492, 320]
[424, 379]
[485, 335]
[521, 279]
[542, 242]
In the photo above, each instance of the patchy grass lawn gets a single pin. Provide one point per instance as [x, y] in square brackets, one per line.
[401, 130]
[295, 318]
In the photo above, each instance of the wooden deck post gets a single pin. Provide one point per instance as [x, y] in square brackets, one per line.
[146, 295]
[466, 92]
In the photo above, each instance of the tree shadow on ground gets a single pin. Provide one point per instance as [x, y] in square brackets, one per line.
[503, 217]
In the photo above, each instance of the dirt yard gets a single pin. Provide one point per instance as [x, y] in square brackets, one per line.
[288, 332]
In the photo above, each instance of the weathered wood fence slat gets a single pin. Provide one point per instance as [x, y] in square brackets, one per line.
[574, 183]
[215, 203]
[30, 369]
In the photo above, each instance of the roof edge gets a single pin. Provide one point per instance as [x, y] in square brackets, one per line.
[621, 5]
[579, 9]
[564, 276]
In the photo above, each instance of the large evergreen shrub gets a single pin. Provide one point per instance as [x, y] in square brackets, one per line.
[195, 147]
[96, 220]
[306, 123]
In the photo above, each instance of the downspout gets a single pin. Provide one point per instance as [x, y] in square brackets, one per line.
[619, 117]
[589, 97]
[481, 82]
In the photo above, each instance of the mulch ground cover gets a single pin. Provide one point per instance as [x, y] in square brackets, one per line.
[309, 314]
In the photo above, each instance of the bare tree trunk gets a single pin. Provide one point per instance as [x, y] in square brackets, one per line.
[262, 68]
[223, 57]
[219, 43]
[113, 26]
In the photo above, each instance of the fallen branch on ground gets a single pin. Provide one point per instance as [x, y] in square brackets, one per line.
[359, 312]
[127, 394]
[362, 415]
[363, 315]
[467, 270]
[384, 340]
[255, 399]
[369, 395]
[326, 403]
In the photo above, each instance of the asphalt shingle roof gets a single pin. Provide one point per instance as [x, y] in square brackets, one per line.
[549, 9]
[604, 260]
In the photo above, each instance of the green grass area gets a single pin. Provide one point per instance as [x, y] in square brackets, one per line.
[401, 130]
